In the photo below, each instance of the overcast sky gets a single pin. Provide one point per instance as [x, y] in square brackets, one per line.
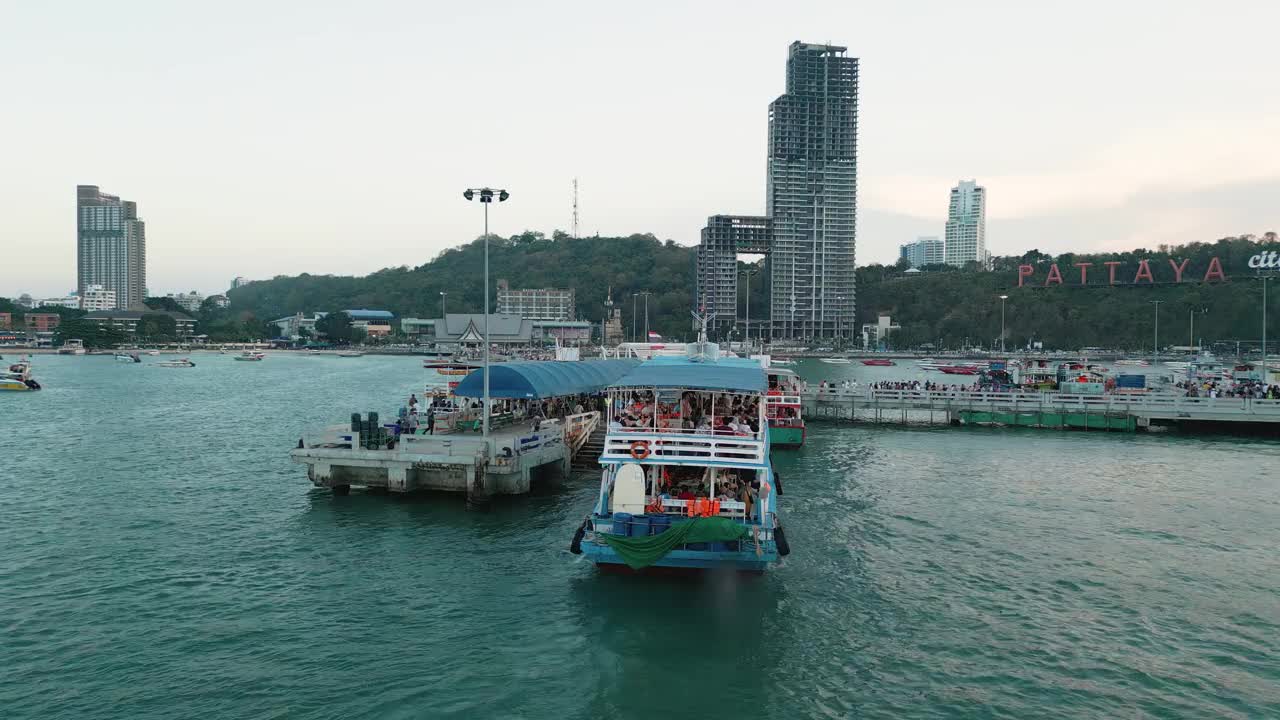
[265, 138]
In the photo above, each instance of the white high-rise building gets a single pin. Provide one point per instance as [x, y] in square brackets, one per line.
[967, 224]
[924, 251]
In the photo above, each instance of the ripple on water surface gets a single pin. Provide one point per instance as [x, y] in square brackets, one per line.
[163, 559]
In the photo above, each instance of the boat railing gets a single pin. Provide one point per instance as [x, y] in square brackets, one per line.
[683, 446]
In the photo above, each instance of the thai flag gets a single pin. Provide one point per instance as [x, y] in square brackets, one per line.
[654, 336]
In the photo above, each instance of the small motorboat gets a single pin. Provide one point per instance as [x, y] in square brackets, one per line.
[248, 356]
[128, 358]
[349, 353]
[836, 361]
[959, 369]
[180, 363]
[782, 361]
[153, 353]
[878, 362]
[18, 378]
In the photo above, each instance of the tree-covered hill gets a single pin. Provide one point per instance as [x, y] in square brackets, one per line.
[941, 304]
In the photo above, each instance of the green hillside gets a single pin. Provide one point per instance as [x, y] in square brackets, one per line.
[941, 304]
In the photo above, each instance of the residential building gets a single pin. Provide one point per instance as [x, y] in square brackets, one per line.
[41, 322]
[504, 329]
[808, 231]
[291, 326]
[71, 302]
[97, 297]
[967, 225]
[6, 320]
[238, 281]
[190, 302]
[220, 301]
[536, 304]
[924, 251]
[24, 300]
[111, 246]
[874, 335]
[374, 323]
[126, 321]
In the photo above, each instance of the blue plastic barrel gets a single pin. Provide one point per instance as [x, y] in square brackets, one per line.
[622, 523]
[639, 525]
[659, 524]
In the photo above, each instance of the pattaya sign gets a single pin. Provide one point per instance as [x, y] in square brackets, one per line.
[1177, 272]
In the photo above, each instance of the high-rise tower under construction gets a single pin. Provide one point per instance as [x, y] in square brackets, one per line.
[808, 233]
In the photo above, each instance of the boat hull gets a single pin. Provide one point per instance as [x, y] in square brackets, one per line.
[12, 386]
[688, 560]
[786, 437]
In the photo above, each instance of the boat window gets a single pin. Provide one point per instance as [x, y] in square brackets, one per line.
[689, 411]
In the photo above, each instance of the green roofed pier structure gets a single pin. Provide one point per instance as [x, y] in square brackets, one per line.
[528, 435]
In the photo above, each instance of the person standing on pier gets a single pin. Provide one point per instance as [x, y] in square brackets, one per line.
[431, 421]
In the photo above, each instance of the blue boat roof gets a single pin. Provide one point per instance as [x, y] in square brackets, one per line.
[522, 380]
[727, 374]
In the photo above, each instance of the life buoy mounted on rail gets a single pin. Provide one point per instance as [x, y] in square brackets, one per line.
[640, 449]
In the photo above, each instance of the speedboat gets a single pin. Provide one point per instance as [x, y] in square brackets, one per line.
[153, 353]
[128, 358]
[878, 362]
[249, 356]
[681, 498]
[836, 361]
[349, 353]
[18, 378]
[782, 361]
[959, 369]
[1133, 363]
[180, 363]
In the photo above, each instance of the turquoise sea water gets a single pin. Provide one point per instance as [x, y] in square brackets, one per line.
[163, 559]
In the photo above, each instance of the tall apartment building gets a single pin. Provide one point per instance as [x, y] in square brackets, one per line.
[967, 224]
[111, 246]
[539, 304]
[924, 251]
[811, 205]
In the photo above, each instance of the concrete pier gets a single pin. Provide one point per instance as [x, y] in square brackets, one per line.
[457, 462]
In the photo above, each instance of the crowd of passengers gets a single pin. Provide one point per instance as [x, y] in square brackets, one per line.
[689, 482]
[1255, 389]
[697, 412]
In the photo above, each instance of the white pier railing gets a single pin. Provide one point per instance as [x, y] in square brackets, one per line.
[1159, 406]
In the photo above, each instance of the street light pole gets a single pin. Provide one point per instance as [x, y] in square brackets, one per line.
[1265, 375]
[635, 298]
[486, 199]
[748, 276]
[1155, 343]
[1002, 299]
[443, 295]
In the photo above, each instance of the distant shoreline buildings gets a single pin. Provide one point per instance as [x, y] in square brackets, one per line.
[965, 236]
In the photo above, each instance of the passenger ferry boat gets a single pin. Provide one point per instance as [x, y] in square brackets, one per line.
[179, 363]
[251, 356]
[72, 346]
[783, 409]
[683, 488]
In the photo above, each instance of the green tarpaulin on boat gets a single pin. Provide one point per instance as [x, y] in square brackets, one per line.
[641, 552]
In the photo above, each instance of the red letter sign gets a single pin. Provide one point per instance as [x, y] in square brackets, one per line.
[1084, 272]
[1112, 265]
[1144, 271]
[1177, 269]
[1054, 276]
[1215, 271]
[1024, 271]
